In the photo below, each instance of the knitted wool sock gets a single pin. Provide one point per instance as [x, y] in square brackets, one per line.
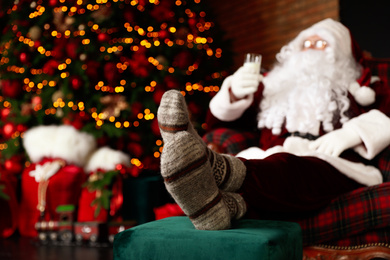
[229, 171]
[188, 178]
[235, 203]
[173, 116]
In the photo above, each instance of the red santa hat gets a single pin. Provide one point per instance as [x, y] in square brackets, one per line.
[336, 34]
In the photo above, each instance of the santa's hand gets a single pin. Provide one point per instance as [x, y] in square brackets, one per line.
[245, 82]
[336, 142]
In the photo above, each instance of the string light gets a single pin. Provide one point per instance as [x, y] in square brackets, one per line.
[139, 37]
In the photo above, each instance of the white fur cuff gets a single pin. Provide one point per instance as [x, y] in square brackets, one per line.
[64, 142]
[106, 159]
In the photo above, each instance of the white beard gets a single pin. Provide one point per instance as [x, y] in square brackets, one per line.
[307, 91]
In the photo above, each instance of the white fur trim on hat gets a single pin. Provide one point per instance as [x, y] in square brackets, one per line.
[364, 95]
[63, 142]
[106, 159]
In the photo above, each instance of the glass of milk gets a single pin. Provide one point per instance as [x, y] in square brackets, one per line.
[253, 60]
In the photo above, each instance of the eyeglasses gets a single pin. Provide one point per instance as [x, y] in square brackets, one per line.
[318, 44]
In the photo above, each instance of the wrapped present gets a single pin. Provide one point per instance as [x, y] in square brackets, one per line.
[102, 197]
[142, 195]
[55, 177]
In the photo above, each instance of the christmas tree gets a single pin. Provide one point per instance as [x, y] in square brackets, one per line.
[102, 66]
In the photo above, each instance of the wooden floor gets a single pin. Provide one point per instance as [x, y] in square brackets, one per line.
[20, 248]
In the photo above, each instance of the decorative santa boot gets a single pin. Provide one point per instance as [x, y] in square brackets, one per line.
[229, 172]
[56, 175]
[102, 161]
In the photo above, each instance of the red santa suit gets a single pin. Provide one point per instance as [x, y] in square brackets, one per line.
[285, 177]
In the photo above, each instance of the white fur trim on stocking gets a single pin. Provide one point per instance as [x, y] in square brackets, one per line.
[64, 142]
[106, 159]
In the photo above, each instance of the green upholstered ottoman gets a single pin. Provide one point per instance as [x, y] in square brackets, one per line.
[176, 238]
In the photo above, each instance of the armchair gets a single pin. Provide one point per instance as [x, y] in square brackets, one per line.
[355, 225]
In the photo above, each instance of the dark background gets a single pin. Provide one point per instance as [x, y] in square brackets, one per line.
[369, 22]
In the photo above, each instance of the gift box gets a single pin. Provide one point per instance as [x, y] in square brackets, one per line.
[142, 195]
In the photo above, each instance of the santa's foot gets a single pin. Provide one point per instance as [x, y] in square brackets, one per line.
[229, 171]
[235, 203]
[173, 116]
[188, 178]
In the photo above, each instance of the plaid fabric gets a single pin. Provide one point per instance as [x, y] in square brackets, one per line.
[231, 141]
[351, 216]
[380, 68]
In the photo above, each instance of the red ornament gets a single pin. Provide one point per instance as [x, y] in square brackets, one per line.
[134, 171]
[92, 70]
[76, 82]
[135, 149]
[134, 137]
[37, 43]
[111, 73]
[155, 128]
[163, 34]
[128, 15]
[71, 49]
[13, 165]
[36, 100]
[5, 112]
[171, 82]
[163, 11]
[194, 108]
[58, 51]
[191, 22]
[157, 95]
[24, 57]
[136, 108]
[11, 88]
[151, 163]
[183, 60]
[50, 67]
[21, 128]
[103, 37]
[8, 130]
[52, 3]
[75, 120]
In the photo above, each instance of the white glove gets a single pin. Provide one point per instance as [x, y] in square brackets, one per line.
[336, 142]
[245, 81]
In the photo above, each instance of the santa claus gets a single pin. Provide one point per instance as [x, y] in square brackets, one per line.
[320, 123]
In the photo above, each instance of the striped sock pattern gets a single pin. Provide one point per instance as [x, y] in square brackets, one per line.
[188, 178]
[173, 116]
